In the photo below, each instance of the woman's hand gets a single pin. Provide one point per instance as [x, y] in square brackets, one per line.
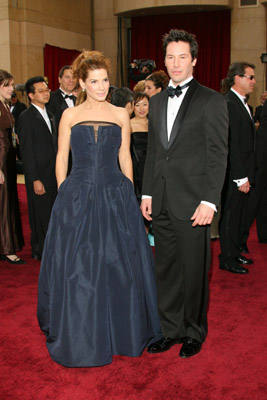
[2, 177]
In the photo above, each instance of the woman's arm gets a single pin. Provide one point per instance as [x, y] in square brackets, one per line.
[63, 146]
[125, 159]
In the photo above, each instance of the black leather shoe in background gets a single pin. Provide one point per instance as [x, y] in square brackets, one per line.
[244, 248]
[190, 348]
[243, 260]
[234, 268]
[164, 344]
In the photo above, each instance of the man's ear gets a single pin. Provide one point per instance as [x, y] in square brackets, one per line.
[31, 96]
[194, 62]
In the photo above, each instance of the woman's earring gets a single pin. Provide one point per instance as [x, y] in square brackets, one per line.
[83, 89]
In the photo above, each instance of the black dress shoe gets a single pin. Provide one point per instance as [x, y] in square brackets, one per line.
[243, 260]
[36, 257]
[234, 268]
[244, 248]
[16, 261]
[190, 348]
[164, 344]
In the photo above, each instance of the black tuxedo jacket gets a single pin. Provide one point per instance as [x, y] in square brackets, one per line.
[37, 147]
[191, 166]
[257, 115]
[261, 141]
[57, 105]
[17, 110]
[241, 140]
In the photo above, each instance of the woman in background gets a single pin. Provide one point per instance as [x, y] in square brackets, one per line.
[96, 293]
[11, 237]
[139, 126]
[156, 82]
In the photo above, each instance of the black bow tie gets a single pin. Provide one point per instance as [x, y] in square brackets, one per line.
[67, 96]
[245, 100]
[176, 91]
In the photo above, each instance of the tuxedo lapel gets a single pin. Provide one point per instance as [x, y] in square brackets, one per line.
[182, 112]
[241, 107]
[39, 117]
[163, 119]
[245, 113]
[53, 127]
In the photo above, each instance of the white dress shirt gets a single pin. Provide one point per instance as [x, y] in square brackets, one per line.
[45, 116]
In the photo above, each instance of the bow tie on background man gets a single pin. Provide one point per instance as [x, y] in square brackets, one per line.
[176, 91]
[67, 96]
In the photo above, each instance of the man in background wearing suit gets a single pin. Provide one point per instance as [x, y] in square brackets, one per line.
[62, 99]
[241, 167]
[37, 138]
[184, 173]
[259, 109]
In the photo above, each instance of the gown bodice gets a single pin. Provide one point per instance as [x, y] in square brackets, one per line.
[95, 147]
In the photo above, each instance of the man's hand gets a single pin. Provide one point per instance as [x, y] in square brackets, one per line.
[146, 208]
[203, 215]
[38, 188]
[245, 188]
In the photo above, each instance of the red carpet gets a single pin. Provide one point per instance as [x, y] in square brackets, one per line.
[231, 366]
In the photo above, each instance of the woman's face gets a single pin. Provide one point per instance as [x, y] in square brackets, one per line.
[150, 88]
[6, 91]
[141, 108]
[96, 84]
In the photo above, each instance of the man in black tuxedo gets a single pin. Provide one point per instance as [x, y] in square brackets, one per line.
[259, 109]
[257, 201]
[241, 167]
[37, 136]
[62, 99]
[183, 177]
[16, 107]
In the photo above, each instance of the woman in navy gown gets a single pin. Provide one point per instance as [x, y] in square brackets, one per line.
[96, 293]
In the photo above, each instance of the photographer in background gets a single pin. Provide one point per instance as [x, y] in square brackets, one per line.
[140, 69]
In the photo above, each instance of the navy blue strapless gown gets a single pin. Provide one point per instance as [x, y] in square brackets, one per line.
[96, 293]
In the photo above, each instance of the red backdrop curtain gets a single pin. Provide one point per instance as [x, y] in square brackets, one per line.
[212, 30]
[54, 59]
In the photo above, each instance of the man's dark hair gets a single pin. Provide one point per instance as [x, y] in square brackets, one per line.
[237, 68]
[61, 71]
[176, 35]
[29, 85]
[121, 96]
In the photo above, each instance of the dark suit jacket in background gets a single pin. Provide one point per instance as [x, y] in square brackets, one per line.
[257, 115]
[241, 140]
[192, 164]
[17, 110]
[37, 147]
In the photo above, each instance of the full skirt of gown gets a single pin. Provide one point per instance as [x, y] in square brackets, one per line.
[96, 290]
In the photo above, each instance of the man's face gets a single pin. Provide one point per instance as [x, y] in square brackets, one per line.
[66, 82]
[179, 62]
[263, 97]
[41, 94]
[245, 83]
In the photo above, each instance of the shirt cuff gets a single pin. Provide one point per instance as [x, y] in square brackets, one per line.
[144, 196]
[211, 205]
[240, 182]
